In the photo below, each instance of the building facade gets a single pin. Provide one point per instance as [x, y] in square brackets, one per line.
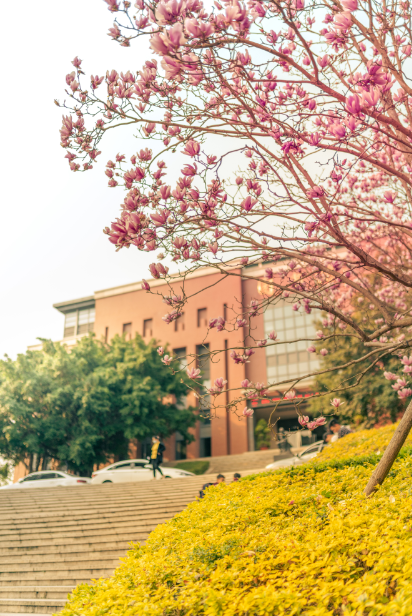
[127, 310]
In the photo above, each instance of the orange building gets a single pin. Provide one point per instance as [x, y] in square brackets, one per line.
[129, 310]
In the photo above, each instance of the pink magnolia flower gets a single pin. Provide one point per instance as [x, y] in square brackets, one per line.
[160, 350]
[323, 62]
[193, 373]
[167, 360]
[390, 376]
[145, 285]
[407, 361]
[336, 402]
[262, 343]
[290, 395]
[241, 322]
[320, 334]
[192, 148]
[350, 5]
[220, 383]
[303, 420]
[247, 412]
[272, 335]
[343, 21]
[405, 393]
[245, 383]
[408, 369]
[320, 421]
[324, 352]
[311, 349]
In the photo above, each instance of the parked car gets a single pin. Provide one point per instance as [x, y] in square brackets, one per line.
[47, 479]
[306, 455]
[134, 470]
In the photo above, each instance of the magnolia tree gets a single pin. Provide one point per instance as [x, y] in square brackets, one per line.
[291, 124]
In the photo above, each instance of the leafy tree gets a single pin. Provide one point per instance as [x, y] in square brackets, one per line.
[262, 434]
[363, 401]
[84, 406]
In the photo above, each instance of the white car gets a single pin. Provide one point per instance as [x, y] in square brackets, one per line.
[306, 455]
[134, 470]
[47, 479]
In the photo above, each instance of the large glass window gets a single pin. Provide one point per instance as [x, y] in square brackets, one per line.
[70, 324]
[79, 322]
[85, 321]
[289, 360]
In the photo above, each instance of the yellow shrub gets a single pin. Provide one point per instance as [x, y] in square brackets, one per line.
[360, 443]
[296, 542]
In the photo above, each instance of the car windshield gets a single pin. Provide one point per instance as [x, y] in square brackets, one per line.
[311, 449]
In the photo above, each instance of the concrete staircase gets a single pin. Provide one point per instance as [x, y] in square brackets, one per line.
[53, 539]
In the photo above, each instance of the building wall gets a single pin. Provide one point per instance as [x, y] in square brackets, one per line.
[117, 307]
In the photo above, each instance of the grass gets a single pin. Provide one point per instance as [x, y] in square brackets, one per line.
[198, 467]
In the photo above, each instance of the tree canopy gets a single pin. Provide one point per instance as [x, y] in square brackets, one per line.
[82, 407]
[291, 123]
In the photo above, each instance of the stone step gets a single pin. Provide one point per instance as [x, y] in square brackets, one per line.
[57, 582]
[53, 567]
[62, 557]
[108, 509]
[87, 532]
[65, 548]
[119, 521]
[32, 606]
[35, 592]
[61, 577]
[73, 540]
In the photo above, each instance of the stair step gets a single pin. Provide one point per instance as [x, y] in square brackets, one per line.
[35, 592]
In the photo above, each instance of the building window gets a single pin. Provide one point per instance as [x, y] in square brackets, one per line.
[289, 360]
[85, 323]
[79, 322]
[70, 324]
[180, 323]
[147, 328]
[202, 317]
[106, 335]
[203, 362]
[181, 356]
[127, 329]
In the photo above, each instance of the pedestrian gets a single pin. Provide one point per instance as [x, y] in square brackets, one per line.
[236, 476]
[338, 430]
[156, 455]
[219, 479]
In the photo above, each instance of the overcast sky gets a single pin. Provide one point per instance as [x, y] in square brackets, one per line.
[52, 246]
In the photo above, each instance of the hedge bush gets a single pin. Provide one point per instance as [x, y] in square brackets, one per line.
[300, 541]
[360, 443]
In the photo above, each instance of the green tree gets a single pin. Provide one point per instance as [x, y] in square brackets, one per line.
[84, 406]
[366, 397]
[262, 434]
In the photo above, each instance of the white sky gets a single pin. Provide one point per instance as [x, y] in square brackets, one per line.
[52, 247]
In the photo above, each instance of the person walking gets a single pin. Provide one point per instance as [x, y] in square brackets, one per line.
[156, 455]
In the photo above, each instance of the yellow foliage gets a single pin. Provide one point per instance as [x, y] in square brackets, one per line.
[295, 542]
[360, 443]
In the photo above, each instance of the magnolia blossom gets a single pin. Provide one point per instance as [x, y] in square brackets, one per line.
[311, 349]
[272, 335]
[245, 384]
[290, 395]
[336, 402]
[160, 350]
[247, 412]
[193, 373]
[405, 393]
[323, 352]
[167, 360]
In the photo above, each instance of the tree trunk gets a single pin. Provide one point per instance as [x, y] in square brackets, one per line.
[379, 474]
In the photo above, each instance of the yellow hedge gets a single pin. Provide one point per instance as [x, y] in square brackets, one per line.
[296, 542]
[360, 443]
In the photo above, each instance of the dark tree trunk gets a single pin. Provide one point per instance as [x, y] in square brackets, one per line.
[381, 471]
